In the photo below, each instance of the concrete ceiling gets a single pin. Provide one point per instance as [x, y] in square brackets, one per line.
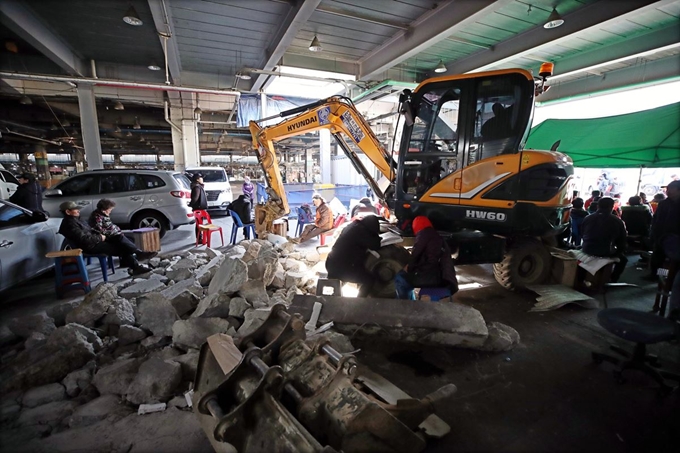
[602, 45]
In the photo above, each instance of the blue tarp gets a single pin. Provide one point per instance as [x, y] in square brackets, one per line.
[249, 107]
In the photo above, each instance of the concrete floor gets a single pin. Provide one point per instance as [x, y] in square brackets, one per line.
[545, 395]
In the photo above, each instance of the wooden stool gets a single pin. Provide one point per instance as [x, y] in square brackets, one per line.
[666, 274]
[147, 239]
[71, 272]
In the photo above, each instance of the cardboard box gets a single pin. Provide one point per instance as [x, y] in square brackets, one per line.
[564, 268]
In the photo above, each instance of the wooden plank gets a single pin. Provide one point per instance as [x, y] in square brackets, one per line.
[432, 426]
[225, 351]
[65, 253]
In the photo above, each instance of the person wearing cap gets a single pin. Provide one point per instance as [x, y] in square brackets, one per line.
[29, 193]
[346, 260]
[666, 236]
[322, 223]
[81, 235]
[199, 200]
[430, 264]
[248, 188]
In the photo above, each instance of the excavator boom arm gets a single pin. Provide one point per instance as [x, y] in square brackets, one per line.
[340, 116]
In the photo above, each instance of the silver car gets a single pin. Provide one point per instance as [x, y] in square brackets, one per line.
[24, 241]
[144, 198]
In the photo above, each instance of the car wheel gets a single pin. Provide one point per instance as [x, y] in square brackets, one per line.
[151, 220]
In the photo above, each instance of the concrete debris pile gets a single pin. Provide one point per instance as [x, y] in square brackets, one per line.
[88, 364]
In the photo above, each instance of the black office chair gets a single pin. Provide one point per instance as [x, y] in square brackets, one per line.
[641, 328]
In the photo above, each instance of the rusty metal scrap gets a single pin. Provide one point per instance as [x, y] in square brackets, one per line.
[273, 390]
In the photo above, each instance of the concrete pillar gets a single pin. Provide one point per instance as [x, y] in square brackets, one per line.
[192, 156]
[42, 165]
[309, 166]
[24, 163]
[89, 125]
[78, 157]
[325, 156]
[117, 163]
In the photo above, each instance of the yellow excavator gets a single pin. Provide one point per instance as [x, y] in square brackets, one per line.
[461, 162]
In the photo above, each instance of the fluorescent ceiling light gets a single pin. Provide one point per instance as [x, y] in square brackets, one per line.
[154, 67]
[288, 85]
[118, 106]
[243, 76]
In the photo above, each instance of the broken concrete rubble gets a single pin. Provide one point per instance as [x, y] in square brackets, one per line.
[78, 380]
[105, 407]
[94, 306]
[213, 305]
[36, 339]
[155, 382]
[229, 278]
[47, 414]
[119, 313]
[38, 396]
[141, 288]
[156, 315]
[116, 377]
[192, 333]
[59, 312]
[255, 293]
[24, 326]
[238, 306]
[130, 334]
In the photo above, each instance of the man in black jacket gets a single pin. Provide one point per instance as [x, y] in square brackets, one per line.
[666, 237]
[199, 201]
[346, 260]
[243, 208]
[604, 235]
[28, 194]
[81, 235]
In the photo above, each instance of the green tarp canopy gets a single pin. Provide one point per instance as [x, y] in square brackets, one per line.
[650, 138]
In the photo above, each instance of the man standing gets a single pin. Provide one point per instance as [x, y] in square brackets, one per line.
[81, 235]
[594, 196]
[29, 193]
[666, 236]
[604, 235]
[322, 223]
[199, 201]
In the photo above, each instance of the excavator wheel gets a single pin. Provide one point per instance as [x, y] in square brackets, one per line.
[392, 259]
[526, 262]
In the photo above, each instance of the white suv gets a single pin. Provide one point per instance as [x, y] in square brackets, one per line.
[144, 198]
[8, 184]
[216, 185]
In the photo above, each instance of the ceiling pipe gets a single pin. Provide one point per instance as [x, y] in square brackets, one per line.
[115, 83]
[300, 76]
[166, 112]
[93, 68]
[51, 142]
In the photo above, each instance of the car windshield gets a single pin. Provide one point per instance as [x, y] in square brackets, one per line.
[9, 215]
[211, 175]
[182, 180]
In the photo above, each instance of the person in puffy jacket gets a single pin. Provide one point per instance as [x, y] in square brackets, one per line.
[81, 235]
[29, 193]
[430, 265]
[322, 223]
[248, 188]
[346, 260]
[199, 200]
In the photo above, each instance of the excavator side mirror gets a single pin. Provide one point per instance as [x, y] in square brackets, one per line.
[405, 107]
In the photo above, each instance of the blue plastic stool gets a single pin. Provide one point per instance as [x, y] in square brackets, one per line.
[105, 262]
[435, 294]
[238, 224]
[71, 272]
[300, 221]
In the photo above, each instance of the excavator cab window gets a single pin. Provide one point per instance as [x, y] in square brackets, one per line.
[433, 150]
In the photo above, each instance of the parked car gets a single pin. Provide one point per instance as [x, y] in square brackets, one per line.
[24, 241]
[8, 184]
[144, 198]
[216, 185]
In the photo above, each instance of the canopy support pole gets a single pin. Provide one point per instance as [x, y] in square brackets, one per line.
[639, 180]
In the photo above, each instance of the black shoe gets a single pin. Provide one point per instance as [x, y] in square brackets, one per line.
[139, 269]
[145, 255]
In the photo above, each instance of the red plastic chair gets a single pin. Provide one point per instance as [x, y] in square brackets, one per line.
[206, 228]
[339, 220]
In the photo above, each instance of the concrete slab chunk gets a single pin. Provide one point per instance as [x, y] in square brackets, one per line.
[193, 332]
[38, 396]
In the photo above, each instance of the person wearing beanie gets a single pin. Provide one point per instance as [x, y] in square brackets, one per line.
[248, 188]
[430, 264]
[346, 260]
[29, 193]
[604, 235]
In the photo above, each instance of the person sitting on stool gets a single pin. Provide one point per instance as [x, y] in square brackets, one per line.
[346, 260]
[430, 264]
[322, 223]
[242, 206]
[102, 224]
[604, 235]
[82, 236]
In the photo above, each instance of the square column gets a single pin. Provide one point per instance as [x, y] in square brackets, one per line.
[89, 125]
[325, 156]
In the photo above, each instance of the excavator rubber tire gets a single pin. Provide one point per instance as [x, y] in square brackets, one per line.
[526, 262]
[392, 259]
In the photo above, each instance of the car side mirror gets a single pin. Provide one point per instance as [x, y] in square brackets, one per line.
[53, 193]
